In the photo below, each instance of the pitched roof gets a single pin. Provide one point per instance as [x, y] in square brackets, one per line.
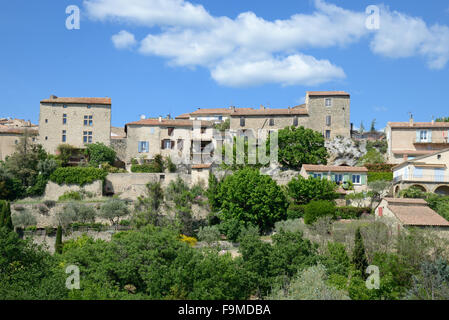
[183, 116]
[103, 101]
[169, 123]
[418, 125]
[415, 212]
[327, 93]
[322, 168]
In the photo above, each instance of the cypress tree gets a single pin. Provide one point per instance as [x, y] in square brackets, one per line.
[8, 219]
[358, 255]
[2, 213]
[58, 244]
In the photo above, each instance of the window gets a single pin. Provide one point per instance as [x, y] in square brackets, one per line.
[328, 134]
[203, 130]
[242, 122]
[143, 146]
[271, 122]
[167, 144]
[46, 138]
[418, 172]
[356, 179]
[422, 136]
[317, 175]
[87, 137]
[328, 102]
[64, 136]
[220, 118]
[295, 121]
[338, 178]
[64, 118]
[46, 120]
[89, 106]
[88, 121]
[328, 120]
[170, 131]
[64, 106]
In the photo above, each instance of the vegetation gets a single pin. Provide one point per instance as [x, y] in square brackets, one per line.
[99, 153]
[317, 209]
[156, 165]
[375, 176]
[77, 175]
[302, 190]
[113, 210]
[298, 146]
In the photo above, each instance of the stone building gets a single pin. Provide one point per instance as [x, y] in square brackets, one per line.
[176, 138]
[428, 173]
[74, 121]
[11, 131]
[408, 140]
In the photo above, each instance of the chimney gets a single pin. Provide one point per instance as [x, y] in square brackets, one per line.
[433, 120]
[53, 97]
[411, 120]
[262, 107]
[160, 119]
[168, 116]
[232, 108]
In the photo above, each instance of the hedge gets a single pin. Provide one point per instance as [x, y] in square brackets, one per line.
[375, 176]
[146, 168]
[77, 175]
[379, 167]
[295, 211]
[350, 212]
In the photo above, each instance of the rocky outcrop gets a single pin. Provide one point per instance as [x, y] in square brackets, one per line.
[345, 151]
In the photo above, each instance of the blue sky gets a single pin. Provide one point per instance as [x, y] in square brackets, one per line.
[159, 57]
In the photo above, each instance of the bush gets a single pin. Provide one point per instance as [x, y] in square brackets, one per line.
[295, 211]
[77, 175]
[80, 212]
[99, 153]
[376, 176]
[379, 167]
[113, 210]
[295, 225]
[71, 196]
[412, 192]
[350, 212]
[125, 223]
[50, 203]
[305, 190]
[231, 228]
[209, 234]
[317, 209]
[23, 219]
[191, 241]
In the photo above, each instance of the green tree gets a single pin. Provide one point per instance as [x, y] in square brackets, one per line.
[373, 126]
[251, 198]
[362, 127]
[99, 153]
[372, 156]
[58, 243]
[113, 210]
[302, 190]
[212, 191]
[358, 255]
[298, 146]
[317, 209]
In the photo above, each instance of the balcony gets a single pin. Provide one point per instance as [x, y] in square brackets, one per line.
[422, 179]
[433, 141]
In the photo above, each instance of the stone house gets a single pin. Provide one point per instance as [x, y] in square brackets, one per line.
[339, 174]
[408, 140]
[183, 140]
[429, 173]
[74, 121]
[405, 213]
[10, 137]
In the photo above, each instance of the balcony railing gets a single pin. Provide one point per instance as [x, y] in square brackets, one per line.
[423, 178]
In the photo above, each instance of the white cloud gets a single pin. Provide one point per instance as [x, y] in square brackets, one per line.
[380, 109]
[124, 40]
[403, 36]
[148, 12]
[296, 69]
[250, 50]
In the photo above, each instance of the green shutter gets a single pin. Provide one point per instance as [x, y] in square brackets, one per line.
[364, 179]
[346, 177]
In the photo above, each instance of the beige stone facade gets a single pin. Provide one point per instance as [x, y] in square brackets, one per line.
[10, 137]
[168, 137]
[408, 140]
[74, 121]
[430, 173]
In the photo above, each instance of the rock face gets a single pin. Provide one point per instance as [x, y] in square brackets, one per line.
[345, 151]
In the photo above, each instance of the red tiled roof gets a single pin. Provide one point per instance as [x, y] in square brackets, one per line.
[418, 125]
[201, 166]
[166, 122]
[17, 130]
[183, 116]
[103, 101]
[415, 212]
[322, 168]
[327, 93]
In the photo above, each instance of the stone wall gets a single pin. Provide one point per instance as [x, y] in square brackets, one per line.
[53, 191]
[133, 185]
[119, 146]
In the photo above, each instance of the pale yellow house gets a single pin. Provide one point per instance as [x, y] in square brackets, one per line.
[408, 140]
[10, 137]
[429, 173]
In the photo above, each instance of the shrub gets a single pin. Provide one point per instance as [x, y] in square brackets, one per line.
[305, 190]
[379, 167]
[50, 203]
[209, 234]
[295, 211]
[113, 210]
[77, 175]
[80, 212]
[170, 165]
[23, 219]
[43, 209]
[99, 153]
[71, 196]
[295, 225]
[350, 212]
[191, 241]
[376, 176]
[125, 223]
[231, 228]
[412, 192]
[317, 209]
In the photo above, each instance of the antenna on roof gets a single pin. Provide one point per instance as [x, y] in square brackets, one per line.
[142, 117]
[410, 114]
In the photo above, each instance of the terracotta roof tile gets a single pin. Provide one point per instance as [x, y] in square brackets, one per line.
[417, 125]
[170, 123]
[322, 168]
[327, 93]
[417, 215]
[103, 101]
[270, 112]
